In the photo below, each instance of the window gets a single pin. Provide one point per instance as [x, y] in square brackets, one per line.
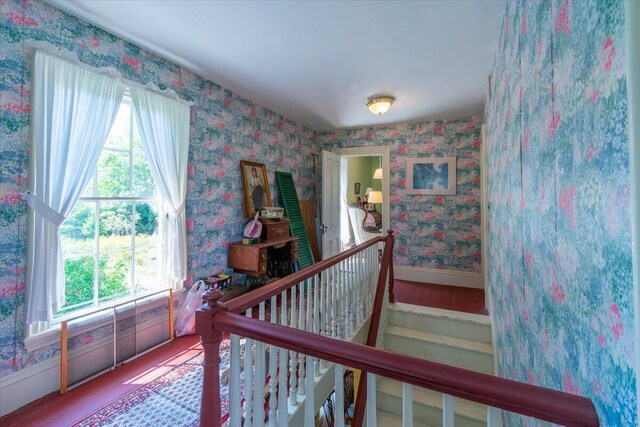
[111, 241]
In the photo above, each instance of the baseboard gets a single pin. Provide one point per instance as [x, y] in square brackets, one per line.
[464, 279]
[31, 383]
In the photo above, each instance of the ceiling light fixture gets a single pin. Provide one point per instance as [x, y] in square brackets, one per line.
[380, 104]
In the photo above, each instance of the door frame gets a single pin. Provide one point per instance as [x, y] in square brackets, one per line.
[484, 213]
[632, 38]
[385, 152]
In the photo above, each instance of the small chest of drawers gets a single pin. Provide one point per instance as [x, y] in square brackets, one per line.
[252, 259]
[274, 229]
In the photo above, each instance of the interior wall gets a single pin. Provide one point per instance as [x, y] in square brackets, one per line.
[431, 231]
[359, 170]
[559, 186]
[225, 128]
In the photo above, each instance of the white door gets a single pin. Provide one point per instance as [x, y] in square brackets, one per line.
[330, 204]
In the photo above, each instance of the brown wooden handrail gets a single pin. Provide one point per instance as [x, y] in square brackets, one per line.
[250, 299]
[525, 399]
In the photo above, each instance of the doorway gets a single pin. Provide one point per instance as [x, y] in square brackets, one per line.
[372, 156]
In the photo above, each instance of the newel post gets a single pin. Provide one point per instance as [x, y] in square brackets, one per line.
[210, 337]
[391, 241]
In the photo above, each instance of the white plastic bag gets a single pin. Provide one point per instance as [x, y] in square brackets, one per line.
[186, 321]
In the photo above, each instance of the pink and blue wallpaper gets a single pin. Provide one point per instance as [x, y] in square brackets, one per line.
[225, 128]
[559, 185]
[431, 231]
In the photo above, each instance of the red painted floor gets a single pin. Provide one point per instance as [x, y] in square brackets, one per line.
[455, 298]
[80, 402]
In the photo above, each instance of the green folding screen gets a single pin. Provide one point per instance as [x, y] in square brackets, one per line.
[289, 196]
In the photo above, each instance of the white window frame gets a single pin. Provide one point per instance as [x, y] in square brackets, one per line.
[41, 334]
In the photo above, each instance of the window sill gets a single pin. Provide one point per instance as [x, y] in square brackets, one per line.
[93, 320]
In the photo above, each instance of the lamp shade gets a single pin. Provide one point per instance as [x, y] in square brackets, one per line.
[377, 174]
[375, 197]
[380, 104]
[369, 190]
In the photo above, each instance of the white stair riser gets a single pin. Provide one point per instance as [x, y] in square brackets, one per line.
[463, 358]
[443, 326]
[386, 419]
[423, 413]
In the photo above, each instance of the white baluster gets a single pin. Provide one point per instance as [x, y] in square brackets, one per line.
[235, 407]
[248, 379]
[367, 283]
[372, 418]
[407, 405]
[325, 326]
[259, 376]
[283, 412]
[361, 278]
[302, 320]
[341, 301]
[316, 320]
[352, 294]
[273, 373]
[374, 278]
[293, 356]
[334, 309]
[493, 417]
[447, 410]
[339, 387]
[309, 407]
[347, 298]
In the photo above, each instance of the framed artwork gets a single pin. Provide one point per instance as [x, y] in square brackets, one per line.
[431, 175]
[256, 187]
[356, 188]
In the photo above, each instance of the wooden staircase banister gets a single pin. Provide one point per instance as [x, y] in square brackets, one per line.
[386, 267]
[250, 299]
[525, 399]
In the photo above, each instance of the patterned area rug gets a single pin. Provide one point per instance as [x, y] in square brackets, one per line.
[172, 399]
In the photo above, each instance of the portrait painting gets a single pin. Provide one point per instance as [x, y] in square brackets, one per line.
[256, 187]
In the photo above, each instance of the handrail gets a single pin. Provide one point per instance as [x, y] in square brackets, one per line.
[376, 311]
[526, 399]
[211, 333]
[248, 300]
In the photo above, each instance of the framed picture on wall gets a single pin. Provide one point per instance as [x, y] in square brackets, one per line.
[256, 187]
[356, 188]
[431, 175]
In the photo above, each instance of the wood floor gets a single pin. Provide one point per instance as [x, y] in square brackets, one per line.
[78, 403]
[84, 400]
[454, 298]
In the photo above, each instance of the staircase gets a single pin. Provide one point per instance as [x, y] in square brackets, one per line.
[454, 338]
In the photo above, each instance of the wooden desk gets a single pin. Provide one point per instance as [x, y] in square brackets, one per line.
[252, 259]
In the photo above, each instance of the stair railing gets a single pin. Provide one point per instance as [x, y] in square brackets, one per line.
[332, 298]
[288, 360]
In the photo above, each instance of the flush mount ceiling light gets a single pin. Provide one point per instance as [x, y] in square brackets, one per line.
[380, 104]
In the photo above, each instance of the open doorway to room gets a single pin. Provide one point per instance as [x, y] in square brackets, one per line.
[364, 198]
[368, 209]
[339, 192]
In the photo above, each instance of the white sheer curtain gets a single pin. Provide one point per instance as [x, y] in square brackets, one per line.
[345, 236]
[164, 130]
[72, 111]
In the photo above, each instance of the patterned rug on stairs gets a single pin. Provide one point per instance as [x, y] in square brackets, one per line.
[173, 399]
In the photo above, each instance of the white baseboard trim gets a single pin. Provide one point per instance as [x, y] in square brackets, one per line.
[464, 279]
[31, 383]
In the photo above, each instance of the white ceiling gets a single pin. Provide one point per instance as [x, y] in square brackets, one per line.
[317, 62]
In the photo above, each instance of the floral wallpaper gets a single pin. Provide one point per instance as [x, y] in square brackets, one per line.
[225, 128]
[559, 185]
[431, 231]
